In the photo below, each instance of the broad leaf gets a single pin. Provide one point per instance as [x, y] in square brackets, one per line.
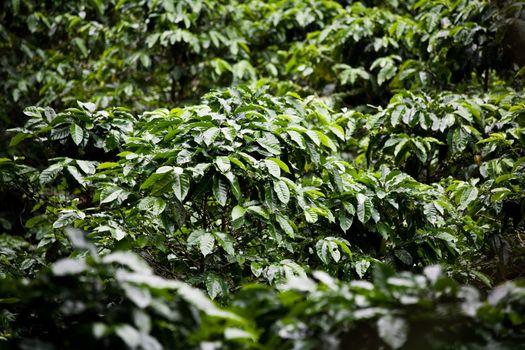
[281, 189]
[223, 164]
[273, 168]
[225, 241]
[153, 205]
[345, 221]
[210, 135]
[215, 285]
[285, 225]
[364, 208]
[220, 190]
[393, 330]
[206, 243]
[181, 184]
[113, 193]
[281, 164]
[260, 211]
[77, 134]
[270, 143]
[467, 196]
[238, 212]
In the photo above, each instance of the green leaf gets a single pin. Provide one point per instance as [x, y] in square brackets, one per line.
[117, 233]
[520, 72]
[361, 267]
[238, 212]
[153, 205]
[256, 268]
[237, 333]
[67, 217]
[77, 134]
[113, 193]
[235, 187]
[314, 137]
[281, 189]
[150, 181]
[345, 222]
[215, 285]
[108, 165]
[397, 114]
[204, 240]
[483, 278]
[273, 168]
[206, 243]
[79, 42]
[184, 156]
[199, 169]
[87, 106]
[260, 211]
[50, 114]
[421, 152]
[223, 164]
[285, 225]
[76, 174]
[393, 331]
[326, 248]
[210, 135]
[321, 249]
[281, 164]
[400, 144]
[220, 190]
[297, 138]
[194, 237]
[181, 183]
[19, 138]
[16, 6]
[404, 256]
[87, 166]
[140, 296]
[364, 208]
[49, 174]
[499, 194]
[225, 241]
[237, 162]
[270, 143]
[129, 335]
[326, 141]
[467, 197]
[68, 266]
[164, 169]
[334, 251]
[158, 183]
[459, 140]
[386, 73]
[338, 131]
[310, 215]
[145, 60]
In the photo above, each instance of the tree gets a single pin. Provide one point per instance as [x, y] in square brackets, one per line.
[229, 174]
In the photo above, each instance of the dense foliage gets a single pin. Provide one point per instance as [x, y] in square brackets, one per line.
[236, 174]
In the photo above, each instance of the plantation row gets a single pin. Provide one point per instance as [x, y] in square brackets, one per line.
[262, 174]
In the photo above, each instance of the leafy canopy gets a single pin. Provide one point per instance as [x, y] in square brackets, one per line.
[229, 174]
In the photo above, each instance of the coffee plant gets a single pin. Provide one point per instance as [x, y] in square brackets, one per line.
[228, 174]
